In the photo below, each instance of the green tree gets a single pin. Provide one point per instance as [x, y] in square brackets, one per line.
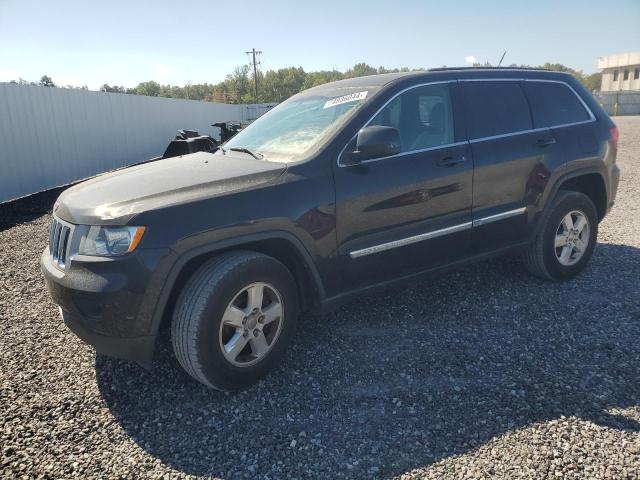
[46, 81]
[592, 82]
[151, 89]
[278, 85]
[313, 79]
[113, 89]
[360, 70]
[237, 84]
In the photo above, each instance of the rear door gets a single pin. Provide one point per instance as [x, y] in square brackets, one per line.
[555, 105]
[408, 212]
[512, 161]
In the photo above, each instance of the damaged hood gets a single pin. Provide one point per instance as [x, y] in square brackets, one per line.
[115, 197]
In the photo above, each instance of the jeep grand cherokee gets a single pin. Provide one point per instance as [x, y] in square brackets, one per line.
[344, 187]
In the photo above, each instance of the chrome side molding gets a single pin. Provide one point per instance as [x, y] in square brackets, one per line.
[436, 233]
[498, 216]
[409, 240]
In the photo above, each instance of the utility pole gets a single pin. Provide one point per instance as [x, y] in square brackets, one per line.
[255, 64]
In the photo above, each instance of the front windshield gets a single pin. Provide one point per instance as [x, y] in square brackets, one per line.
[298, 126]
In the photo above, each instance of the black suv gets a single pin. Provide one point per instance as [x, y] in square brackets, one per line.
[344, 187]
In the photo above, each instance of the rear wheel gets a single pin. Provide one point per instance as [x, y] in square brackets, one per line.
[567, 238]
[234, 319]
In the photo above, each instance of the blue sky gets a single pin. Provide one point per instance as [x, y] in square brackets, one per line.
[125, 42]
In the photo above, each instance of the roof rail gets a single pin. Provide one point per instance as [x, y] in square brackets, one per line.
[443, 69]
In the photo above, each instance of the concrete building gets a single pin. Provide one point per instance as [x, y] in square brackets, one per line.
[620, 72]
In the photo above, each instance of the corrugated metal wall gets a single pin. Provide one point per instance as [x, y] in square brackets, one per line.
[53, 136]
[620, 103]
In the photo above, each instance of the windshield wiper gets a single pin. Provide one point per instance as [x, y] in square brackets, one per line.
[256, 155]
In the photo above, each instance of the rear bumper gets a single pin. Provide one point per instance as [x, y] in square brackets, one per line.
[613, 186]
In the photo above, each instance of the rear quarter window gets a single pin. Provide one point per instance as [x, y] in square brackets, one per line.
[495, 108]
[554, 104]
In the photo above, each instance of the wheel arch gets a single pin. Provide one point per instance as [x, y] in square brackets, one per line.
[593, 186]
[590, 181]
[281, 245]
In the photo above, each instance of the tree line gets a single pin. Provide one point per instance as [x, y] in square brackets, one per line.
[275, 86]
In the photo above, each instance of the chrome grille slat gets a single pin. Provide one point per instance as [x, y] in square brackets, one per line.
[51, 232]
[56, 239]
[59, 242]
[62, 245]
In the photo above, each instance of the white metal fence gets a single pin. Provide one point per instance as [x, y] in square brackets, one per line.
[52, 136]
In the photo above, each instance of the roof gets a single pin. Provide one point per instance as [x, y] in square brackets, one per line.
[368, 81]
[502, 69]
[377, 82]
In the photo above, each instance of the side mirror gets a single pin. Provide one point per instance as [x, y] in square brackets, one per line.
[376, 142]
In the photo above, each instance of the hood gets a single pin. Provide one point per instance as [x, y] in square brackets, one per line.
[115, 197]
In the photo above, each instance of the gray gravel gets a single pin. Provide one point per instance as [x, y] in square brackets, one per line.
[484, 372]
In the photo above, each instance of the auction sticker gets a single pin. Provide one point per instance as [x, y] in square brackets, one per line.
[352, 97]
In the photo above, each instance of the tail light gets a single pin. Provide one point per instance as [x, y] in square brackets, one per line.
[614, 137]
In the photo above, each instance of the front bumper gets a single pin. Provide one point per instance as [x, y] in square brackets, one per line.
[103, 302]
[138, 349]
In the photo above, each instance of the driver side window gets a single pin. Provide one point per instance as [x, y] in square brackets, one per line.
[423, 116]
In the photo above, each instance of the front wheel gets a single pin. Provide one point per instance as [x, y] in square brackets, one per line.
[566, 240]
[234, 319]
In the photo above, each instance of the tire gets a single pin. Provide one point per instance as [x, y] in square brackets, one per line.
[542, 257]
[200, 335]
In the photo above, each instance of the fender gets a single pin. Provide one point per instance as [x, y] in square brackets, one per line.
[177, 264]
[551, 192]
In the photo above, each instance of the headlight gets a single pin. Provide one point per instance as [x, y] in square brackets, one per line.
[110, 241]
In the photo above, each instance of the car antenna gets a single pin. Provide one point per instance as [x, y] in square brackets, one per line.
[502, 58]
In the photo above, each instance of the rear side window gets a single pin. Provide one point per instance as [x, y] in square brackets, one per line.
[495, 108]
[554, 104]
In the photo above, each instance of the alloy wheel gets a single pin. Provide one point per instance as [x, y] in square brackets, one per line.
[572, 238]
[251, 324]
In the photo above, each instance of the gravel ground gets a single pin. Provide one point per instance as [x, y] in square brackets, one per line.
[482, 373]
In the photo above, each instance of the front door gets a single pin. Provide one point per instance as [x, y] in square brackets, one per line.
[408, 212]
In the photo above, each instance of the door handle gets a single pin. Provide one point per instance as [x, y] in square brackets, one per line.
[451, 161]
[545, 141]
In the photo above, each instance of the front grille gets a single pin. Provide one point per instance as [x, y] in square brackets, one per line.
[59, 241]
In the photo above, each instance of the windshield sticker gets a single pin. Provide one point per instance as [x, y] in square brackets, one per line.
[352, 97]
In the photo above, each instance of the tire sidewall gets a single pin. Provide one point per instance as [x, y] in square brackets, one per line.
[567, 203]
[219, 372]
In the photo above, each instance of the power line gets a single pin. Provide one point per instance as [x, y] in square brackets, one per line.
[255, 64]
